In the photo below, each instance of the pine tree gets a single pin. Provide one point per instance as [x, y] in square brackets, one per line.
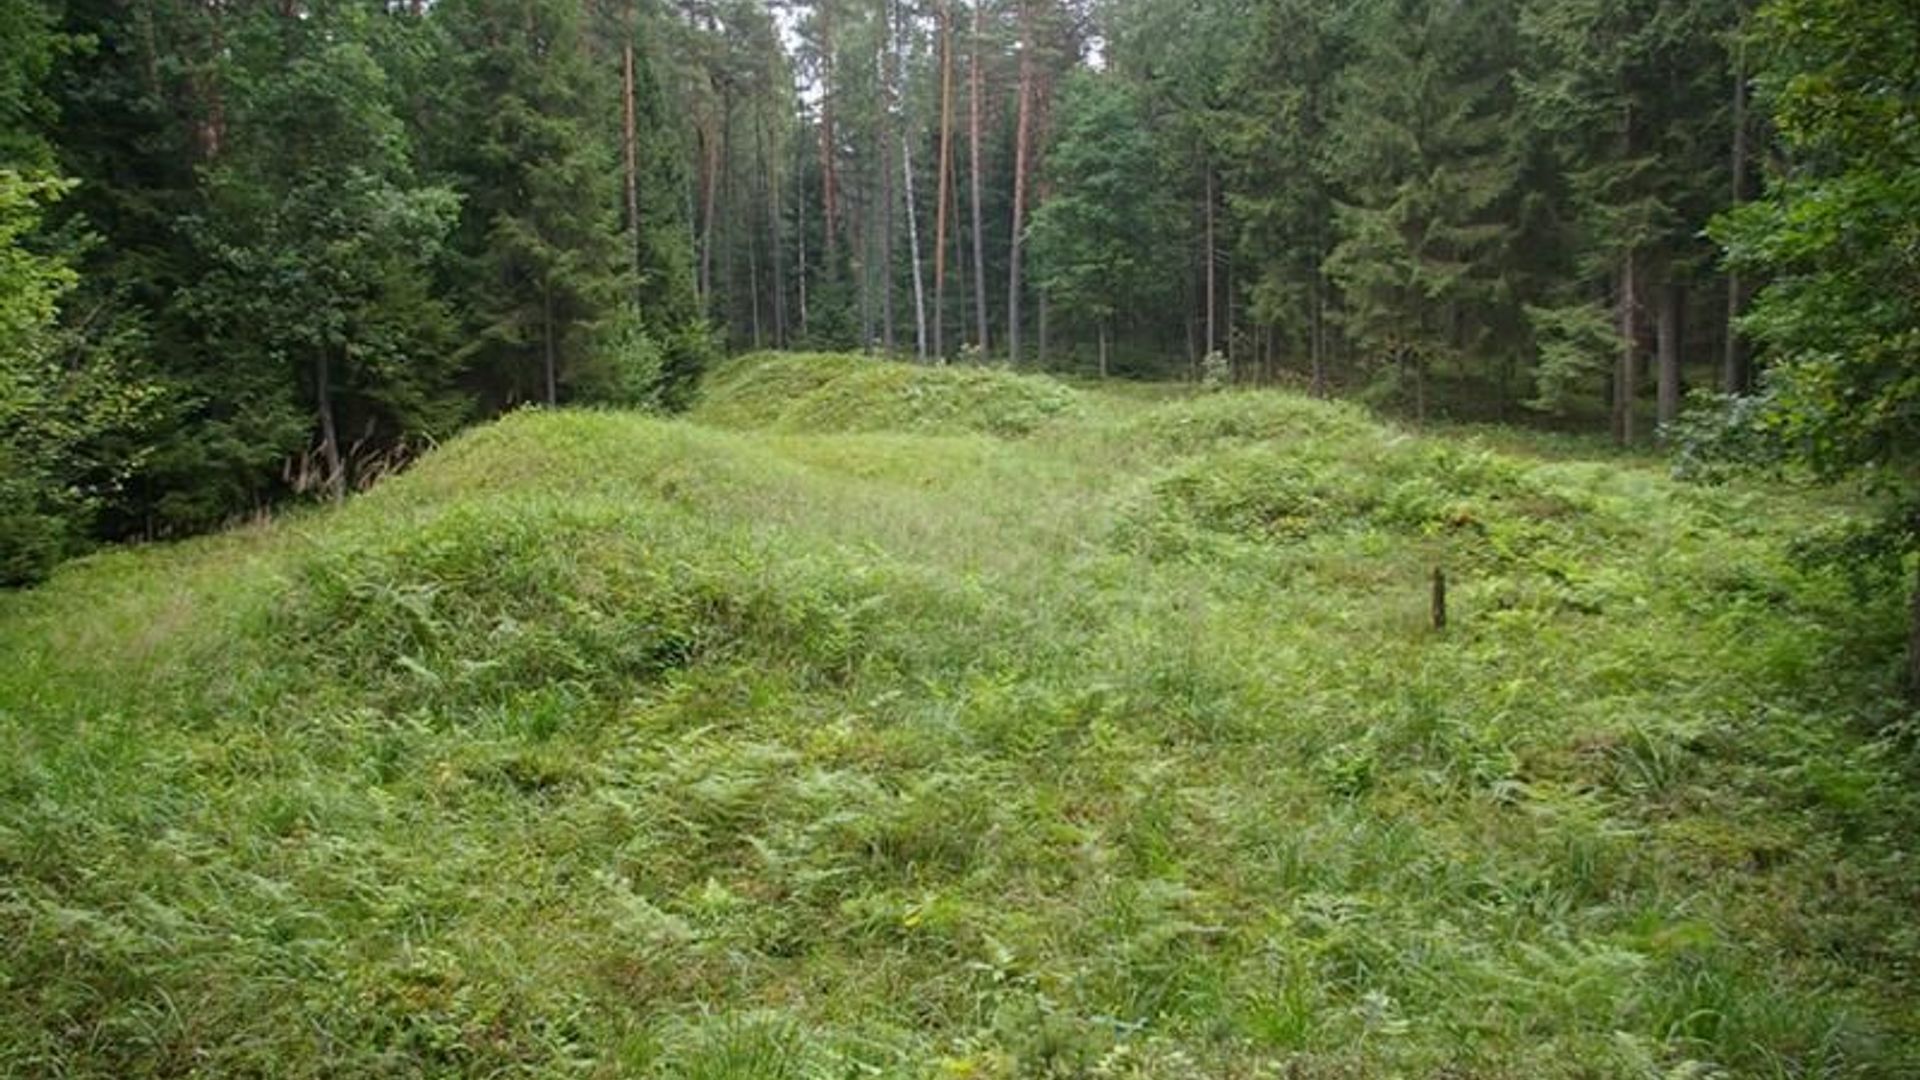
[976, 91]
[1022, 163]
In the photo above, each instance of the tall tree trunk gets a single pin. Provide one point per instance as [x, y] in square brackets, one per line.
[1672, 303]
[800, 235]
[829, 196]
[1038, 135]
[1023, 128]
[1103, 348]
[1317, 339]
[753, 286]
[727, 246]
[1736, 369]
[755, 300]
[886, 236]
[913, 216]
[913, 254]
[710, 184]
[336, 478]
[1228, 341]
[945, 183]
[1627, 371]
[970, 291]
[694, 186]
[861, 246]
[981, 340]
[1040, 338]
[1213, 337]
[629, 144]
[1418, 365]
[770, 196]
[883, 69]
[211, 130]
[552, 361]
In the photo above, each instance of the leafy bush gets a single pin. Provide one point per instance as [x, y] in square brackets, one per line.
[69, 424]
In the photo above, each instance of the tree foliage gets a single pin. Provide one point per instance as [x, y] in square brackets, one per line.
[319, 244]
[1099, 243]
[1839, 237]
[72, 427]
[1423, 159]
[330, 231]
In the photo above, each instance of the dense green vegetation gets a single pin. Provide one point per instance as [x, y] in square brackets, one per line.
[261, 250]
[264, 250]
[884, 720]
[808, 714]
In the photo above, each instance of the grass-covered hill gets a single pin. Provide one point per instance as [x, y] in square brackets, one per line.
[881, 721]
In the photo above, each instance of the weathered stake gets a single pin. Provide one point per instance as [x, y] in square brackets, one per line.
[1439, 598]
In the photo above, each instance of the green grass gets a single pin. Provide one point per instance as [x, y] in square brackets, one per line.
[876, 721]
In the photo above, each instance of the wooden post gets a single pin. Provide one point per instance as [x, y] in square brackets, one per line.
[1439, 598]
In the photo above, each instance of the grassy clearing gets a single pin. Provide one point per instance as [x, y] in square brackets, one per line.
[880, 721]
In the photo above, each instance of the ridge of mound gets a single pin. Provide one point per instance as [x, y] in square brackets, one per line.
[827, 392]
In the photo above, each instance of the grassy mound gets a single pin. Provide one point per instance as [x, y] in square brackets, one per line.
[1471, 507]
[818, 392]
[769, 745]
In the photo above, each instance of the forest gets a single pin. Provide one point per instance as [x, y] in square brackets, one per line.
[265, 250]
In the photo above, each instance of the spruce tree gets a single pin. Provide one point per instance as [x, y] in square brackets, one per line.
[1425, 169]
[1100, 241]
[1280, 94]
[1632, 96]
[543, 270]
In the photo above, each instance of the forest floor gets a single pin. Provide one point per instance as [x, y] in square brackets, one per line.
[884, 721]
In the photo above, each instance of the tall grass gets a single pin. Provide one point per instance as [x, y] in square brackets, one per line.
[884, 721]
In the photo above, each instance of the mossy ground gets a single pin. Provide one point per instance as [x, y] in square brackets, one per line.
[892, 722]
